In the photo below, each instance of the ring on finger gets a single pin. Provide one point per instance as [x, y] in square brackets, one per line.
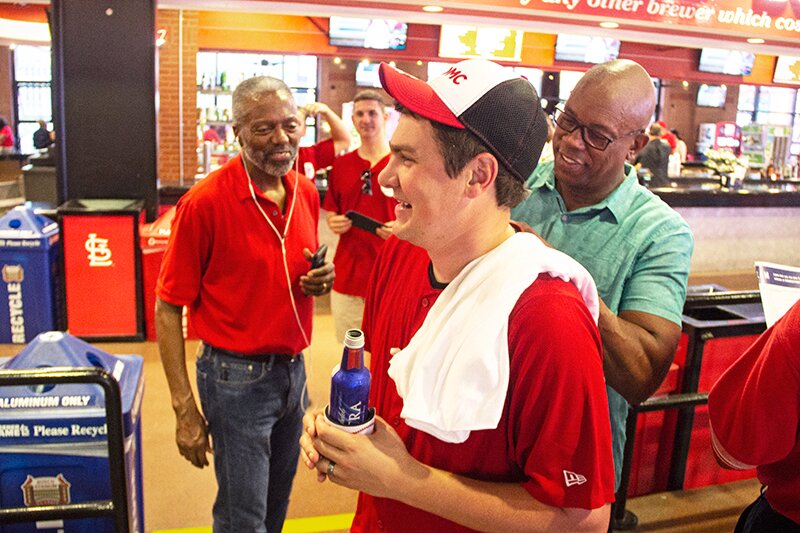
[331, 466]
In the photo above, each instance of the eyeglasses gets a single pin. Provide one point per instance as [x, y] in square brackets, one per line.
[366, 182]
[567, 122]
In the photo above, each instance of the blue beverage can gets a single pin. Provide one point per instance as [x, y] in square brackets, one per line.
[350, 384]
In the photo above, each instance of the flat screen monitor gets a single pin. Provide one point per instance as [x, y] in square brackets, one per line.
[367, 75]
[382, 34]
[586, 49]
[787, 70]
[711, 95]
[720, 61]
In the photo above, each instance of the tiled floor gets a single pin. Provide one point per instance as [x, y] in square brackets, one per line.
[178, 495]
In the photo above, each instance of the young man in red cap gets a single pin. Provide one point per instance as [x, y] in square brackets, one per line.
[486, 358]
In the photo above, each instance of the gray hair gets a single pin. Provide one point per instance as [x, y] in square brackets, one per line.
[250, 91]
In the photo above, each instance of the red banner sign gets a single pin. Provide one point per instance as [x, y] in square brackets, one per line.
[770, 18]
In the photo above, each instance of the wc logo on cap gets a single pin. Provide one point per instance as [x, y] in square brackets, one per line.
[465, 83]
[455, 75]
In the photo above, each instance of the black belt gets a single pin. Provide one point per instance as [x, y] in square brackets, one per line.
[258, 357]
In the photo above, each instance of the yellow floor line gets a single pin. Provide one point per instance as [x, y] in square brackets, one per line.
[313, 524]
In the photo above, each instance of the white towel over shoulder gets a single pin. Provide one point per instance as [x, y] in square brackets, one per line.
[453, 375]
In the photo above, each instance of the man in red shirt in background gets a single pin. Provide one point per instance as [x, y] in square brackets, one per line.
[353, 186]
[668, 136]
[321, 155]
[488, 386]
[6, 135]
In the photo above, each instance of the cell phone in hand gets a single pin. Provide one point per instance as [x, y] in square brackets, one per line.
[363, 221]
[318, 259]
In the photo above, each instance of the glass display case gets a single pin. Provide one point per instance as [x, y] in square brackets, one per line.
[218, 75]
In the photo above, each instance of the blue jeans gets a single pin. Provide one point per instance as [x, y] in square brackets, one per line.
[254, 410]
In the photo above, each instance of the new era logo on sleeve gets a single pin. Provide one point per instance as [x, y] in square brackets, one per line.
[571, 478]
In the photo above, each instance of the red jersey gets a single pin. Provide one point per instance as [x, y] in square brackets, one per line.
[671, 139]
[754, 410]
[314, 157]
[554, 437]
[357, 249]
[8, 139]
[224, 262]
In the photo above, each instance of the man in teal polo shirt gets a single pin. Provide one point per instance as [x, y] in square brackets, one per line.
[589, 204]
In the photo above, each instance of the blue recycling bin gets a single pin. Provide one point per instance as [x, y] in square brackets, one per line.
[53, 438]
[29, 264]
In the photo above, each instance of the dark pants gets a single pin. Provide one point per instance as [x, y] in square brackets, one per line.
[760, 517]
[254, 407]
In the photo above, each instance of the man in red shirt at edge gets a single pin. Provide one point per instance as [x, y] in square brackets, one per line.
[238, 259]
[462, 150]
[353, 186]
[754, 413]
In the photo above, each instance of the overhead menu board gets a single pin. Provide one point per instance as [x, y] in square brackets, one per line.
[472, 42]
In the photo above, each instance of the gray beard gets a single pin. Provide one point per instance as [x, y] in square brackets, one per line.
[260, 161]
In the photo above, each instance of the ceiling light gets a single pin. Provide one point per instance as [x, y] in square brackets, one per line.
[609, 25]
[337, 60]
[419, 62]
[432, 9]
[755, 40]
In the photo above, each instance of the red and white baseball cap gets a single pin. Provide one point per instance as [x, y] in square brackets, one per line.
[497, 105]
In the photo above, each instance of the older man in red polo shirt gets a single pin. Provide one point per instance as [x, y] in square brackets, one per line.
[238, 259]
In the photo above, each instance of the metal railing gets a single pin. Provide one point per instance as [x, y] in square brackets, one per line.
[688, 396]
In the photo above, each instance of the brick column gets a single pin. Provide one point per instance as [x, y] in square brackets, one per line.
[169, 134]
[6, 99]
